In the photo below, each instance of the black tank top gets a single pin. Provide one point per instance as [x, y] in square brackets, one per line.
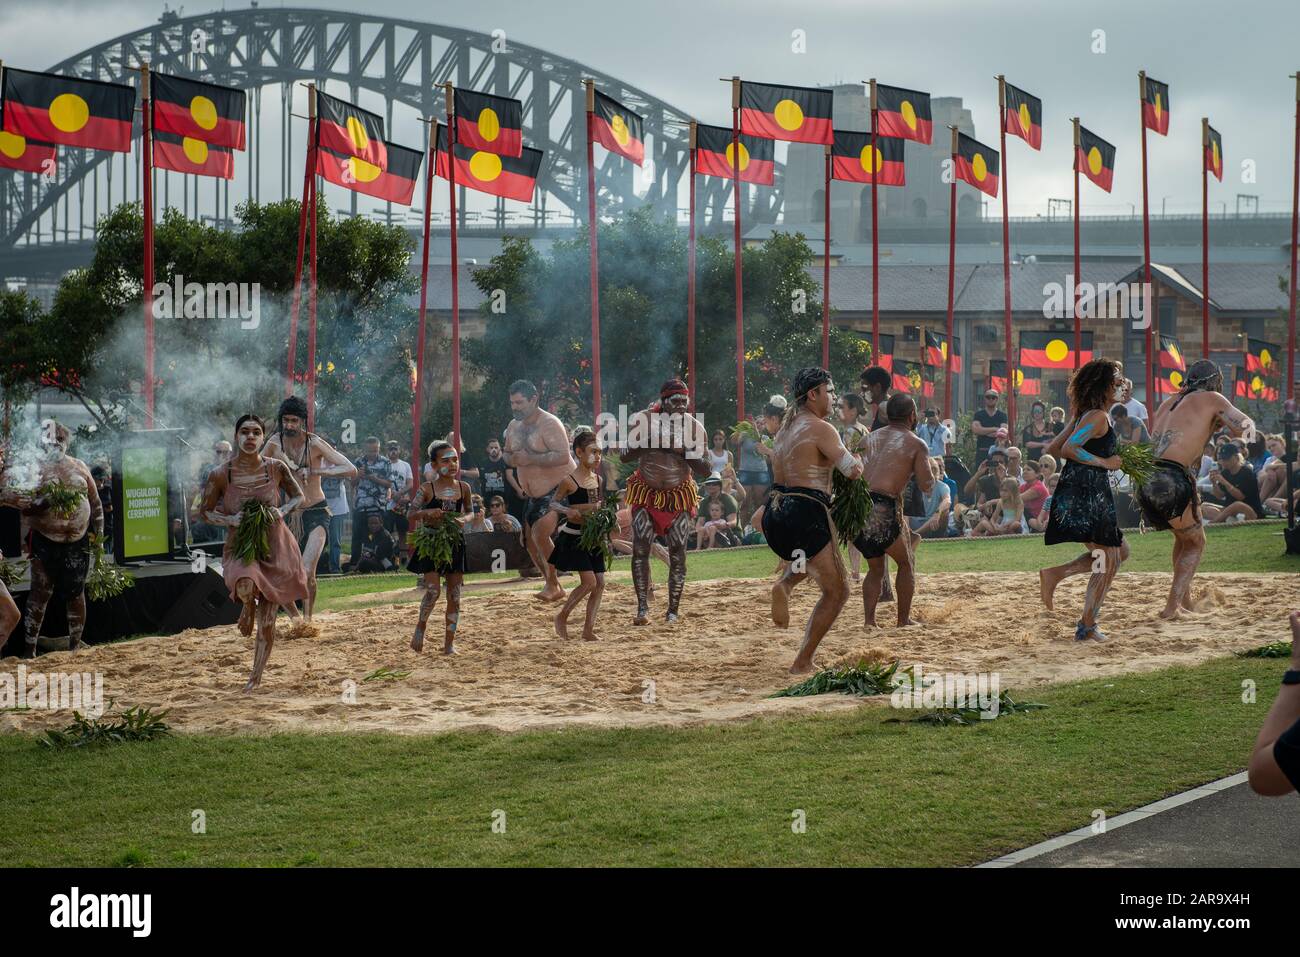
[1104, 446]
[447, 505]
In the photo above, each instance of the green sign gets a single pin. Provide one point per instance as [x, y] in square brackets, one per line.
[144, 502]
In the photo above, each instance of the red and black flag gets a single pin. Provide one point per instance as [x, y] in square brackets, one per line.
[1214, 154]
[909, 377]
[977, 165]
[198, 111]
[1155, 106]
[617, 128]
[183, 154]
[795, 113]
[1172, 366]
[1262, 357]
[490, 124]
[1027, 381]
[1095, 159]
[395, 184]
[511, 177]
[904, 113]
[64, 110]
[350, 130]
[1253, 385]
[1052, 350]
[1023, 116]
[886, 358]
[20, 153]
[853, 159]
[713, 148]
[936, 350]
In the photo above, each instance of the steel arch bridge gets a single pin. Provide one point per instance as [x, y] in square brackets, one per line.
[400, 60]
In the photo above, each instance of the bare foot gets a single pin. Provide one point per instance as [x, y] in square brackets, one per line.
[251, 686]
[642, 617]
[1171, 614]
[907, 623]
[417, 641]
[561, 628]
[590, 636]
[29, 650]
[801, 667]
[74, 644]
[671, 618]
[246, 619]
[1047, 587]
[549, 594]
[780, 606]
[448, 648]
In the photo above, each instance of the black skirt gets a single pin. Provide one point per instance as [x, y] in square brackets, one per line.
[569, 555]
[797, 522]
[1083, 508]
[422, 565]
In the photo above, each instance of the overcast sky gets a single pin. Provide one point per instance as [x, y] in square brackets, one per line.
[1228, 61]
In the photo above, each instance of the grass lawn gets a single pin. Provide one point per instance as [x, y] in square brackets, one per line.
[1243, 548]
[873, 793]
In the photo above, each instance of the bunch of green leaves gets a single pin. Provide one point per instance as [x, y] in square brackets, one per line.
[12, 573]
[850, 506]
[970, 716]
[63, 499]
[438, 543]
[598, 526]
[106, 579]
[748, 430]
[385, 674]
[866, 678]
[134, 724]
[252, 538]
[1277, 649]
[1138, 462]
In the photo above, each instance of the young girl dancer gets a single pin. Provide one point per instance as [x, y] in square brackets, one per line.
[585, 493]
[445, 499]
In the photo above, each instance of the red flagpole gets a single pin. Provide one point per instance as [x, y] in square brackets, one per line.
[307, 187]
[952, 268]
[1295, 235]
[875, 236]
[455, 273]
[1006, 258]
[1151, 316]
[595, 255]
[146, 127]
[1074, 293]
[1205, 241]
[311, 295]
[417, 453]
[826, 272]
[690, 279]
[739, 260]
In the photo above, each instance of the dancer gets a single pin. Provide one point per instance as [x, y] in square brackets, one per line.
[669, 446]
[585, 491]
[796, 516]
[445, 499]
[1181, 427]
[61, 545]
[310, 457]
[1083, 506]
[537, 447]
[280, 579]
[894, 455]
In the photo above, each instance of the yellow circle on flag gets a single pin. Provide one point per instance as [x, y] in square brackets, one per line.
[943, 349]
[1217, 158]
[979, 167]
[489, 124]
[1025, 122]
[731, 156]
[204, 112]
[868, 154]
[12, 145]
[1158, 109]
[485, 167]
[788, 115]
[1094, 160]
[1057, 350]
[618, 126]
[196, 151]
[1019, 378]
[1176, 379]
[909, 114]
[69, 112]
[1265, 358]
[362, 171]
[357, 133]
[1256, 384]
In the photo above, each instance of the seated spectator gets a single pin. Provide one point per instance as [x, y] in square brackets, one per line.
[1004, 515]
[950, 482]
[712, 489]
[731, 485]
[1207, 464]
[375, 552]
[1272, 474]
[502, 521]
[478, 520]
[986, 483]
[1234, 490]
[1039, 523]
[1128, 429]
[1033, 492]
[1014, 459]
[938, 505]
[712, 530]
[1046, 468]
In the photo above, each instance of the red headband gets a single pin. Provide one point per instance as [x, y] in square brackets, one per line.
[676, 387]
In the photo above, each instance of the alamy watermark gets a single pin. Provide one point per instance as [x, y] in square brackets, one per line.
[918, 689]
[1102, 300]
[643, 429]
[53, 691]
[214, 300]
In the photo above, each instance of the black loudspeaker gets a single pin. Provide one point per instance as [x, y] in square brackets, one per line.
[204, 603]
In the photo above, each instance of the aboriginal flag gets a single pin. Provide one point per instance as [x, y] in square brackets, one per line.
[198, 111]
[796, 113]
[1262, 357]
[1023, 116]
[617, 128]
[1172, 366]
[1095, 159]
[1027, 381]
[512, 177]
[64, 110]
[489, 124]
[904, 113]
[183, 154]
[1052, 350]
[1155, 106]
[1253, 385]
[20, 153]
[977, 165]
[395, 184]
[936, 350]
[350, 130]
[1214, 154]
[852, 155]
[909, 377]
[713, 155]
[886, 358]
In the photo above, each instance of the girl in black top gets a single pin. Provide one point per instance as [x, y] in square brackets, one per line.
[1234, 488]
[1083, 508]
[445, 499]
[1037, 435]
[584, 492]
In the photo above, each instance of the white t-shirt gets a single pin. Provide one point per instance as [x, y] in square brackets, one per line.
[338, 502]
[1136, 410]
[401, 480]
